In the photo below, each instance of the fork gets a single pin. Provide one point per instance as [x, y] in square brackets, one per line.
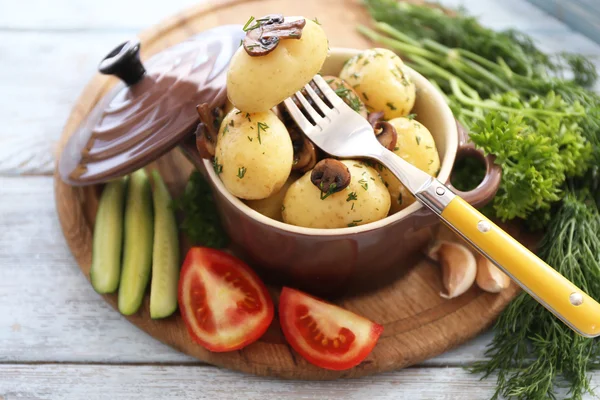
[342, 132]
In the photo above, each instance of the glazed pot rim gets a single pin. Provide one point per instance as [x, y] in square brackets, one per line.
[448, 158]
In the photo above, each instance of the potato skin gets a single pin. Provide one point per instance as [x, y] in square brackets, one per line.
[382, 82]
[415, 145]
[251, 167]
[256, 84]
[303, 205]
[272, 206]
[348, 94]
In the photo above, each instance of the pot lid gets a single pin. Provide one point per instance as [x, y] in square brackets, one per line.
[152, 108]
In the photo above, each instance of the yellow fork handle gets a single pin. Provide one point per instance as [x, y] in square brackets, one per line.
[551, 289]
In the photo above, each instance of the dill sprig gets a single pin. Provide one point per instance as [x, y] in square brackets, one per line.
[533, 352]
[535, 114]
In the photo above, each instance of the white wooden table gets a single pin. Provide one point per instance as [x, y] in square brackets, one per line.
[58, 338]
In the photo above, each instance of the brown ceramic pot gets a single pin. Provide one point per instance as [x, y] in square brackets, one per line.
[326, 260]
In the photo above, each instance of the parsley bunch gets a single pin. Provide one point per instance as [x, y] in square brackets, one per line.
[542, 128]
[535, 113]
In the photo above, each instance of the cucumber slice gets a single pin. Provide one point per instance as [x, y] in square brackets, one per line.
[137, 255]
[108, 238]
[165, 253]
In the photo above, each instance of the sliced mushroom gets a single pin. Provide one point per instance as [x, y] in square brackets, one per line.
[264, 36]
[384, 131]
[375, 117]
[208, 129]
[330, 176]
[305, 154]
[386, 134]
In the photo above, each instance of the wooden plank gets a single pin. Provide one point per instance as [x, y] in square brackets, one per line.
[48, 71]
[188, 382]
[43, 75]
[581, 15]
[51, 313]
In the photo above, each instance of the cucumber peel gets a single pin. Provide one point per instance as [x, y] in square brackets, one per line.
[137, 254]
[108, 238]
[165, 254]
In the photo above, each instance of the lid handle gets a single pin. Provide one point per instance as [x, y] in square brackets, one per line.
[124, 62]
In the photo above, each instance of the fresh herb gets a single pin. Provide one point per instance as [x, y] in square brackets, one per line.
[365, 96]
[201, 222]
[355, 103]
[418, 139]
[391, 105]
[357, 165]
[248, 117]
[352, 208]
[342, 92]
[316, 21]
[532, 350]
[364, 184]
[411, 116]
[503, 100]
[352, 196]
[355, 75]
[216, 166]
[535, 114]
[354, 223]
[249, 138]
[259, 126]
[241, 172]
[330, 190]
[247, 26]
[225, 129]
[396, 148]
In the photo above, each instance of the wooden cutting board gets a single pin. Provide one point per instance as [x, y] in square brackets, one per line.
[418, 323]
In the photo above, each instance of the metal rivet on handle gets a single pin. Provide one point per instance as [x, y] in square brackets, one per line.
[484, 226]
[440, 191]
[576, 299]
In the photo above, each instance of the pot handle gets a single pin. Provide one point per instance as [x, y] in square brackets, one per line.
[488, 187]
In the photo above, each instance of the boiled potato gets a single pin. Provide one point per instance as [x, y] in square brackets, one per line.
[256, 84]
[364, 200]
[254, 154]
[272, 206]
[415, 145]
[382, 82]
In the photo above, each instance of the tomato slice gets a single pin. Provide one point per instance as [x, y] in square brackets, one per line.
[224, 304]
[326, 335]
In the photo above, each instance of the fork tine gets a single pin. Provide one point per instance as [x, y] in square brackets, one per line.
[316, 117]
[297, 115]
[329, 94]
[317, 99]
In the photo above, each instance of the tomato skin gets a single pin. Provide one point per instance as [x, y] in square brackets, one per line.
[207, 258]
[347, 353]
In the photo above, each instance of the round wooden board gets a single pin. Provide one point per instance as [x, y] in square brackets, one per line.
[418, 323]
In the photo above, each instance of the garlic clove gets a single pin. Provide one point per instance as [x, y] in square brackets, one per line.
[489, 277]
[459, 267]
